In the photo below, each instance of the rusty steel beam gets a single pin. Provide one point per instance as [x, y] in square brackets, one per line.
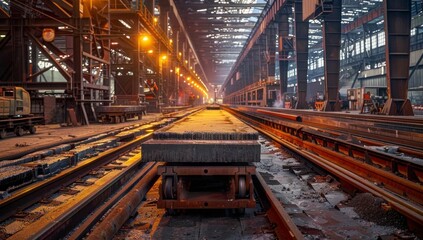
[77, 78]
[46, 53]
[284, 49]
[185, 34]
[262, 57]
[332, 47]
[223, 15]
[301, 45]
[397, 49]
[271, 46]
[4, 13]
[360, 21]
[260, 28]
[231, 5]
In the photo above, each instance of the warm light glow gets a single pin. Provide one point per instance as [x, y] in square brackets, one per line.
[180, 54]
[170, 41]
[150, 51]
[155, 20]
[145, 40]
[164, 57]
[177, 70]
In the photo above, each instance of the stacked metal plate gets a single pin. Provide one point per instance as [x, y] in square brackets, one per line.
[209, 136]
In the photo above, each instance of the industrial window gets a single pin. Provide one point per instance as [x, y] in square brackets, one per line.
[260, 94]
[413, 32]
[357, 48]
[367, 43]
[374, 41]
[381, 39]
[320, 62]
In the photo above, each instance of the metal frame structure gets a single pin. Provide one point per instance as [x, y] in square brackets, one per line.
[95, 54]
[338, 18]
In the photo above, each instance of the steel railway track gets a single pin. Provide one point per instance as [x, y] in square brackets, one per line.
[386, 176]
[138, 176]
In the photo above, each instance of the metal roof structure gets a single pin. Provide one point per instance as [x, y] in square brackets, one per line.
[219, 30]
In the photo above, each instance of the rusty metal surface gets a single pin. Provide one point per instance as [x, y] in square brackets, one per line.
[301, 47]
[25, 197]
[282, 115]
[308, 8]
[125, 208]
[284, 227]
[63, 220]
[331, 56]
[211, 121]
[119, 109]
[359, 166]
[397, 21]
[219, 151]
[206, 136]
[206, 187]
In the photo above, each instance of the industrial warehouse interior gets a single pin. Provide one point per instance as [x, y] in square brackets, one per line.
[211, 119]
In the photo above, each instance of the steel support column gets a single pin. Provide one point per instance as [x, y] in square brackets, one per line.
[332, 45]
[256, 64]
[301, 47]
[284, 50]
[19, 45]
[164, 15]
[77, 85]
[397, 49]
[263, 53]
[271, 46]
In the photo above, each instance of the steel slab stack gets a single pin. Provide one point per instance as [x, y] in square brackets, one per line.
[209, 159]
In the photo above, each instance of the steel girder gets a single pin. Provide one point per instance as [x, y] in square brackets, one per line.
[332, 46]
[285, 48]
[301, 47]
[268, 17]
[397, 49]
[271, 50]
[75, 53]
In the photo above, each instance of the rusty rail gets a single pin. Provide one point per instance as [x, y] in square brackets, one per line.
[284, 227]
[282, 115]
[355, 164]
[27, 196]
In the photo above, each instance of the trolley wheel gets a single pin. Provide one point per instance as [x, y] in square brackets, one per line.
[3, 133]
[168, 188]
[242, 187]
[32, 129]
[19, 131]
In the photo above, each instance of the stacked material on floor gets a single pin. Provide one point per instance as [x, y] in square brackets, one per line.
[212, 136]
